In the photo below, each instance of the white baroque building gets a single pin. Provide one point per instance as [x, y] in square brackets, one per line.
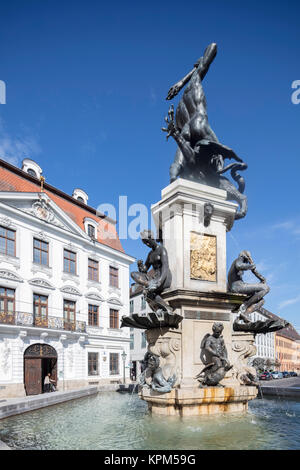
[64, 285]
[265, 343]
[138, 342]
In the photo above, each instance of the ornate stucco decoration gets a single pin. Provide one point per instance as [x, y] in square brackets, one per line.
[70, 290]
[5, 221]
[41, 283]
[243, 348]
[5, 274]
[5, 358]
[203, 257]
[42, 210]
[94, 296]
[114, 301]
[166, 345]
[42, 236]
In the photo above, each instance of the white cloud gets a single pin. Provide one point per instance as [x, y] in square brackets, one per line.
[287, 302]
[291, 226]
[15, 148]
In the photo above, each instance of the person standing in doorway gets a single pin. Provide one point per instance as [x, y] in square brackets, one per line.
[47, 383]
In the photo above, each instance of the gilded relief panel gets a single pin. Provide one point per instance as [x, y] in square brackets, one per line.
[203, 257]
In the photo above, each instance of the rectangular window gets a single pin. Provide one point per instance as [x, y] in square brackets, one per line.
[40, 252]
[40, 310]
[114, 364]
[69, 262]
[131, 306]
[143, 303]
[93, 270]
[131, 338]
[93, 364]
[91, 231]
[113, 276]
[144, 342]
[93, 315]
[7, 305]
[7, 241]
[69, 315]
[113, 318]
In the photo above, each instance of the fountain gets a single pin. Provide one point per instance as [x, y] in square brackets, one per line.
[199, 334]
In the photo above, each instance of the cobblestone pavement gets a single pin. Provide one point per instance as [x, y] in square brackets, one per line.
[289, 382]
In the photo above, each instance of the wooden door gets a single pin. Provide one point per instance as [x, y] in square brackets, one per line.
[33, 376]
[54, 369]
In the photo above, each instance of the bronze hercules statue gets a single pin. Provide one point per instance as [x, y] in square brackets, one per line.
[200, 156]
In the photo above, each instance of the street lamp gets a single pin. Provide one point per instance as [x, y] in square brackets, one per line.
[124, 355]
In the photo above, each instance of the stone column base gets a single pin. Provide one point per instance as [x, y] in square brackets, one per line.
[195, 401]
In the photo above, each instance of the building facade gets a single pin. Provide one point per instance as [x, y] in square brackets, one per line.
[265, 343]
[138, 342]
[64, 280]
[288, 349]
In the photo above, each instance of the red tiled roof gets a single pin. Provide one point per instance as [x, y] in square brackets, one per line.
[14, 179]
[289, 332]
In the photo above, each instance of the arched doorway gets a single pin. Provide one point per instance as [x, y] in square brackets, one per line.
[39, 360]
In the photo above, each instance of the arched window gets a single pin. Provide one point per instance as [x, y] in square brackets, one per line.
[31, 172]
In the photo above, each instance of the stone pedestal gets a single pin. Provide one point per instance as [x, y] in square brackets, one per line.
[196, 249]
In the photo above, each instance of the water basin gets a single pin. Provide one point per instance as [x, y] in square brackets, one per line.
[114, 421]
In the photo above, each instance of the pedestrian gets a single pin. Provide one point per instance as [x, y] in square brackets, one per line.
[47, 383]
[52, 385]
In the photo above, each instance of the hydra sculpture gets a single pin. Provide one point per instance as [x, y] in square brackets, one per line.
[153, 285]
[200, 156]
[255, 292]
[153, 376]
[214, 357]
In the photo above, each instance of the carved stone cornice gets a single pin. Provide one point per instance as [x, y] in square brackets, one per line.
[185, 297]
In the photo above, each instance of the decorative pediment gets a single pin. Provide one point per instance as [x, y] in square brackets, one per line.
[42, 210]
[41, 283]
[11, 276]
[70, 290]
[115, 301]
[94, 296]
[42, 207]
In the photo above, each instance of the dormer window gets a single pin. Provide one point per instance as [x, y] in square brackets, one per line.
[80, 195]
[32, 168]
[91, 231]
[91, 227]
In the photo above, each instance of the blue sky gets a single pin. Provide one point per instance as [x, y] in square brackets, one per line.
[86, 85]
